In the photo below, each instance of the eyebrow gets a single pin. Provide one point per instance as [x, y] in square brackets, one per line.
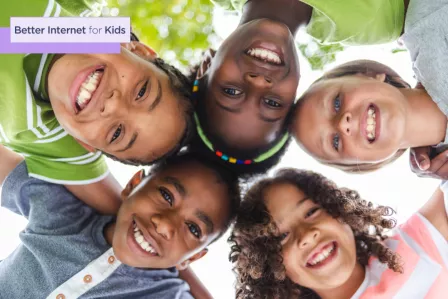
[158, 97]
[206, 220]
[177, 185]
[130, 144]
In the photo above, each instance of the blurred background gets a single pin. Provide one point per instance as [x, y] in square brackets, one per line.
[180, 30]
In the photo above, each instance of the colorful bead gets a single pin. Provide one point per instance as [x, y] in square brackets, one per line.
[239, 161]
[248, 162]
[225, 158]
[232, 160]
[195, 88]
[219, 154]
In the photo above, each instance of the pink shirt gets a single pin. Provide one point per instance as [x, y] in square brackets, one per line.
[424, 253]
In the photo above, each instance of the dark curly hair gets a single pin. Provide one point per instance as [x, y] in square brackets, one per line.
[243, 170]
[256, 250]
[368, 68]
[180, 85]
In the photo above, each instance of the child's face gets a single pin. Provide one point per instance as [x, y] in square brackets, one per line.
[351, 120]
[247, 97]
[177, 212]
[128, 110]
[318, 251]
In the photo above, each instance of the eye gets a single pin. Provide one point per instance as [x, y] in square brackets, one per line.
[311, 212]
[167, 196]
[117, 133]
[195, 230]
[283, 236]
[142, 91]
[337, 103]
[272, 103]
[232, 91]
[335, 142]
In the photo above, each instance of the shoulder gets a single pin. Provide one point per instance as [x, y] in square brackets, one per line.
[435, 210]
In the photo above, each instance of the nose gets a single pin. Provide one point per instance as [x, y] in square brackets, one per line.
[258, 80]
[163, 226]
[346, 125]
[111, 104]
[309, 238]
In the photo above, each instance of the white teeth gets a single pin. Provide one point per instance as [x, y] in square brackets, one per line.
[145, 245]
[264, 54]
[321, 256]
[87, 89]
[371, 124]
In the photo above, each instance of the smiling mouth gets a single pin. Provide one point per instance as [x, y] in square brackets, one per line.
[87, 89]
[142, 242]
[265, 55]
[323, 256]
[371, 124]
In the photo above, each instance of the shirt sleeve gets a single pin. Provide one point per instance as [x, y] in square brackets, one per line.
[82, 170]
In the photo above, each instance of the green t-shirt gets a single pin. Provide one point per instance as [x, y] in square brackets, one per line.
[27, 122]
[350, 22]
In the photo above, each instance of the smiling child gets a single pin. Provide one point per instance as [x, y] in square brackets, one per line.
[298, 235]
[167, 220]
[362, 115]
[63, 111]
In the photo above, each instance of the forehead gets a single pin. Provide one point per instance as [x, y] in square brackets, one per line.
[281, 199]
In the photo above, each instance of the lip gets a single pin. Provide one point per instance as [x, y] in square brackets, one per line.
[270, 47]
[148, 237]
[79, 80]
[363, 123]
[318, 250]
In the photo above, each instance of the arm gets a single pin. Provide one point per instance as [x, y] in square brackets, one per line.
[103, 196]
[434, 210]
[8, 161]
[198, 290]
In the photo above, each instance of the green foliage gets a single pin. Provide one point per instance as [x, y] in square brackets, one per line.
[179, 30]
[319, 55]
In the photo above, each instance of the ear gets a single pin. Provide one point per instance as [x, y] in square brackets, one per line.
[140, 49]
[380, 77]
[205, 63]
[134, 181]
[184, 265]
[89, 148]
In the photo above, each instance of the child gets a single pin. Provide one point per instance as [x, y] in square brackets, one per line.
[362, 115]
[245, 90]
[57, 110]
[68, 250]
[299, 236]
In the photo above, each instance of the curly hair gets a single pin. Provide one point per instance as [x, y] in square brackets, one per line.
[256, 250]
[368, 68]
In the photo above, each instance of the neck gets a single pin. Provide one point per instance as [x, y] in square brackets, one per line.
[293, 13]
[348, 289]
[425, 123]
[109, 232]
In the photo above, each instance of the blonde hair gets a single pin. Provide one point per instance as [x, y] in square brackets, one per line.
[367, 68]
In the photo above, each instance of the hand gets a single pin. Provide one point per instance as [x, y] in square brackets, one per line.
[424, 167]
